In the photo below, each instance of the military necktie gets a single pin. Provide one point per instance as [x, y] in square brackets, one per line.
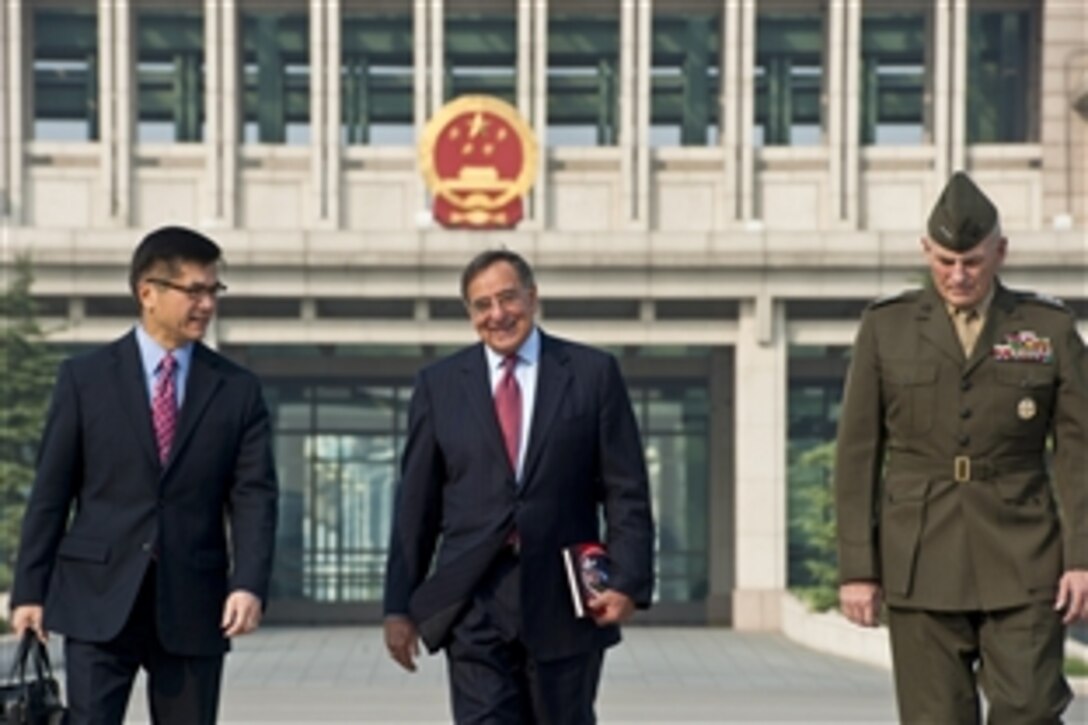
[968, 324]
[508, 409]
[164, 407]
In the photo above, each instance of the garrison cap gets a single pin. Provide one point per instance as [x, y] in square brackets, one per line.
[963, 216]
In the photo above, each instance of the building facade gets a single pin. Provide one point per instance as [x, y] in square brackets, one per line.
[723, 186]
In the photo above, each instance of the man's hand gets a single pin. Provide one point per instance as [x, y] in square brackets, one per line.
[1073, 595]
[860, 602]
[611, 607]
[402, 641]
[241, 613]
[28, 616]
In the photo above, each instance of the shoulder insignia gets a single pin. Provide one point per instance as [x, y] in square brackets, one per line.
[905, 296]
[1041, 299]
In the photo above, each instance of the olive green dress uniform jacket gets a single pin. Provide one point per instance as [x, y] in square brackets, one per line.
[942, 487]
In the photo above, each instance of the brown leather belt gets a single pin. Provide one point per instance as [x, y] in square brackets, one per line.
[962, 469]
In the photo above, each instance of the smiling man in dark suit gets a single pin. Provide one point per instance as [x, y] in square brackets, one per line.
[516, 446]
[147, 540]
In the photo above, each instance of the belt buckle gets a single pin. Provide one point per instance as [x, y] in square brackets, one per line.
[961, 467]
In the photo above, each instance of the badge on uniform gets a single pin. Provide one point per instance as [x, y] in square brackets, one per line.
[1024, 346]
[1026, 408]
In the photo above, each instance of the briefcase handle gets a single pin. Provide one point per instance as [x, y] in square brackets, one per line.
[31, 648]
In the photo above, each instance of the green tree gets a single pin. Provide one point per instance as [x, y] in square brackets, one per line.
[812, 524]
[27, 372]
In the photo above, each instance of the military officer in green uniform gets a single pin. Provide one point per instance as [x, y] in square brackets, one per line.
[947, 509]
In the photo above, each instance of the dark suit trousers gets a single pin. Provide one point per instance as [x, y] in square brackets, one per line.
[1017, 652]
[180, 690]
[493, 679]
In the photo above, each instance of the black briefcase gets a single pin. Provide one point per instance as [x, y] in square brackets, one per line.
[31, 694]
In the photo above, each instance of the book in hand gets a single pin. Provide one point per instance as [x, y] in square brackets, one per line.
[586, 565]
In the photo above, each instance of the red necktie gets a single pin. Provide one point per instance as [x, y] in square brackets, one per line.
[164, 407]
[508, 409]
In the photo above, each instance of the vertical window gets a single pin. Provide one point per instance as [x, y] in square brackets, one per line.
[815, 397]
[276, 77]
[685, 79]
[892, 78]
[377, 76]
[675, 421]
[66, 73]
[170, 75]
[337, 449]
[583, 76]
[789, 72]
[999, 48]
[481, 53]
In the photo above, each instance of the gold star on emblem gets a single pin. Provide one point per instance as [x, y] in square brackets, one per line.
[478, 124]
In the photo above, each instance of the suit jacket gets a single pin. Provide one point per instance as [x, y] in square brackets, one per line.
[988, 535]
[207, 517]
[458, 492]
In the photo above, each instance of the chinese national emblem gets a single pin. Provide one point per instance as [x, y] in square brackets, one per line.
[479, 159]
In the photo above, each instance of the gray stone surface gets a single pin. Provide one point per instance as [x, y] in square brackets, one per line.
[659, 675]
[293, 675]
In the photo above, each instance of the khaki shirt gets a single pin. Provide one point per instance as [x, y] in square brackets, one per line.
[968, 322]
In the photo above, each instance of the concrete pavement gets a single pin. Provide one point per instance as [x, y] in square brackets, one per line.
[295, 675]
[658, 675]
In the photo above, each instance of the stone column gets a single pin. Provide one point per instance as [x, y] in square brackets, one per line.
[211, 201]
[11, 111]
[437, 55]
[833, 108]
[419, 95]
[747, 98]
[526, 101]
[1063, 132]
[222, 104]
[324, 126]
[125, 110]
[627, 142]
[107, 203]
[942, 89]
[644, 51]
[333, 98]
[851, 101]
[760, 514]
[958, 148]
[730, 110]
[539, 119]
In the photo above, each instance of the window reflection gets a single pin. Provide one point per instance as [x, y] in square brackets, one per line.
[338, 449]
[65, 73]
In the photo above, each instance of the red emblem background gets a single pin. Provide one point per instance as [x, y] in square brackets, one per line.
[479, 159]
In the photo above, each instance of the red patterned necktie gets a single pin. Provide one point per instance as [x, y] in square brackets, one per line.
[164, 406]
[508, 409]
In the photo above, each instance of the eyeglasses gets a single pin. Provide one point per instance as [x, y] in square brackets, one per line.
[507, 299]
[194, 292]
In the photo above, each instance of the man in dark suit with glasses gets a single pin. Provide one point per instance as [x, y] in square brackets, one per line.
[147, 540]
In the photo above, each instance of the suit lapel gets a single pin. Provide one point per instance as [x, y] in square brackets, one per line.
[200, 386]
[551, 385]
[477, 382]
[936, 326]
[132, 387]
